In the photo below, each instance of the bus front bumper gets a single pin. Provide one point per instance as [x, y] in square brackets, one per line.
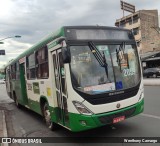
[79, 122]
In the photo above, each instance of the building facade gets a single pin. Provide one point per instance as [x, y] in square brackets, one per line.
[145, 25]
[159, 20]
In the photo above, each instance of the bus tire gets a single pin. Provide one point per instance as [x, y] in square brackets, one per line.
[16, 100]
[51, 125]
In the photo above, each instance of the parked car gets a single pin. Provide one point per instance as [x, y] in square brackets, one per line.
[151, 72]
[2, 81]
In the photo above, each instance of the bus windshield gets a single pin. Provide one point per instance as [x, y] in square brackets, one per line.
[104, 68]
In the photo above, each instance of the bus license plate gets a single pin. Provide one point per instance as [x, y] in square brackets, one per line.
[118, 119]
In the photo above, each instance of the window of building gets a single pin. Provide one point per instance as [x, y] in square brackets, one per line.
[42, 70]
[136, 31]
[135, 20]
[129, 20]
[122, 23]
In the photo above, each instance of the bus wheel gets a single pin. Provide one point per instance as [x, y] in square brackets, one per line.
[47, 117]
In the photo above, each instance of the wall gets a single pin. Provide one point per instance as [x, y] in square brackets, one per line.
[149, 24]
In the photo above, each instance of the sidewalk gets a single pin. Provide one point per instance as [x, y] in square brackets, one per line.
[3, 128]
[151, 82]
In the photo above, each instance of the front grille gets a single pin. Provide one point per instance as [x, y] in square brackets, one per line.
[109, 118]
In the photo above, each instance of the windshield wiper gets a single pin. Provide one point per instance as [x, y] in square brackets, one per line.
[96, 53]
[100, 57]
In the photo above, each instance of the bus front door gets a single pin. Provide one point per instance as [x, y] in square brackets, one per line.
[61, 91]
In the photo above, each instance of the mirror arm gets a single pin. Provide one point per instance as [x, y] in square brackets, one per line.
[61, 39]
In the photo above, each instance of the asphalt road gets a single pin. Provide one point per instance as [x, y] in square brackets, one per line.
[23, 122]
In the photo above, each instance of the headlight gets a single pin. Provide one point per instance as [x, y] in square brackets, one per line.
[81, 108]
[141, 95]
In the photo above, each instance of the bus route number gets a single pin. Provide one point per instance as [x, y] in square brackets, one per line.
[128, 72]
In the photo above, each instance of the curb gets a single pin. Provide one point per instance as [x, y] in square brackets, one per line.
[4, 125]
[151, 82]
[5, 134]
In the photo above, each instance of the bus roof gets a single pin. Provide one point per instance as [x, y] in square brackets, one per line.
[59, 33]
[95, 27]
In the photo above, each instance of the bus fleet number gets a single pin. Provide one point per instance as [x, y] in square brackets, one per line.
[128, 72]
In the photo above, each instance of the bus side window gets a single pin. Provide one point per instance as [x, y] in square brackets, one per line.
[42, 70]
[13, 71]
[17, 71]
[31, 66]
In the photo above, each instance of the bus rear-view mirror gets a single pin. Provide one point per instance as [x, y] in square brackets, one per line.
[66, 55]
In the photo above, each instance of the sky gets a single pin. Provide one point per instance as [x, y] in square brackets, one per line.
[34, 19]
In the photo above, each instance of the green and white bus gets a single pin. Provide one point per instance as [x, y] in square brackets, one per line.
[80, 77]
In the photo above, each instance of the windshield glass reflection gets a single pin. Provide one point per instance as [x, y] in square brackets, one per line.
[88, 75]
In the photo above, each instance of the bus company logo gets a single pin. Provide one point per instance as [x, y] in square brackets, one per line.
[118, 105]
[115, 93]
[6, 140]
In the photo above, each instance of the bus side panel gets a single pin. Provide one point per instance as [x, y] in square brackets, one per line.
[34, 105]
[18, 92]
[33, 92]
[37, 89]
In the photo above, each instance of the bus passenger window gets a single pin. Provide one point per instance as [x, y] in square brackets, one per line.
[17, 71]
[42, 70]
[31, 66]
[13, 71]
